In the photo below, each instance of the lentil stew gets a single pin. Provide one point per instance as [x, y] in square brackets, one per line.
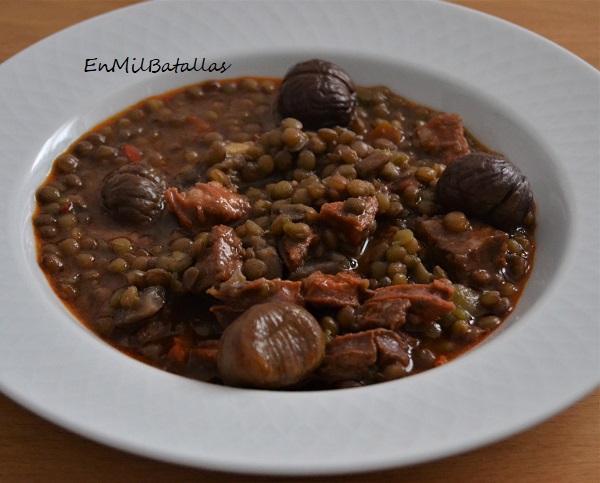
[298, 233]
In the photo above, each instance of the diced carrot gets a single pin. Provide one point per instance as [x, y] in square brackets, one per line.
[132, 153]
[200, 125]
[180, 350]
[387, 131]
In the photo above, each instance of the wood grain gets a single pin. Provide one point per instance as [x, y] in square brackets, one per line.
[565, 448]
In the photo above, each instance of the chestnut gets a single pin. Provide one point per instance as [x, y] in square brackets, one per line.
[318, 94]
[487, 187]
[134, 193]
[270, 346]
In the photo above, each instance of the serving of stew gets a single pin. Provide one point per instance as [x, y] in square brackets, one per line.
[300, 233]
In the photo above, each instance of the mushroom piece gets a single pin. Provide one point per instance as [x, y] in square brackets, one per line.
[270, 346]
[134, 193]
[487, 187]
[318, 94]
[150, 301]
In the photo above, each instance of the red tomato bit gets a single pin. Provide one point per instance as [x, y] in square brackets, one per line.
[132, 153]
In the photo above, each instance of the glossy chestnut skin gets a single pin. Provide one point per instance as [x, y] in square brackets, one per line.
[318, 94]
[487, 187]
[270, 346]
[134, 193]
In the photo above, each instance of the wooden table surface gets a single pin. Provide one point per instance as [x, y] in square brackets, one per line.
[565, 448]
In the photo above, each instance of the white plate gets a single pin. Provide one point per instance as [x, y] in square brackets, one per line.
[519, 93]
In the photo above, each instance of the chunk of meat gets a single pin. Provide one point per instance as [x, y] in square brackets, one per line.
[271, 346]
[324, 266]
[207, 204]
[466, 253]
[221, 258]
[294, 252]
[349, 357]
[239, 295]
[444, 136]
[341, 215]
[389, 313]
[338, 290]
[428, 302]
[362, 356]
[393, 348]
